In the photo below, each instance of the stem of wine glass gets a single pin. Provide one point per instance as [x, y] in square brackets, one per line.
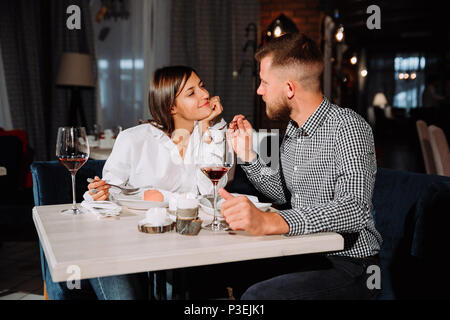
[74, 201]
[214, 222]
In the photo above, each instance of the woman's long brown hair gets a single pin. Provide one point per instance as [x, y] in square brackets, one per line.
[166, 85]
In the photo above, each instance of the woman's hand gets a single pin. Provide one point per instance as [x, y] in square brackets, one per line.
[216, 107]
[102, 188]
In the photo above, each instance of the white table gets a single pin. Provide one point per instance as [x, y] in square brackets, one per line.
[115, 246]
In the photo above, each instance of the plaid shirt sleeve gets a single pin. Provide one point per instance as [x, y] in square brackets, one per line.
[351, 206]
[266, 179]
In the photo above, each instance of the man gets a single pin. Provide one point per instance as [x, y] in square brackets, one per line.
[327, 172]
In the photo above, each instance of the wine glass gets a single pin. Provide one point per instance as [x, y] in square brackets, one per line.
[216, 159]
[72, 150]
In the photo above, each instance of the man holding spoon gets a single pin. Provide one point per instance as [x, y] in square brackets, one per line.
[327, 173]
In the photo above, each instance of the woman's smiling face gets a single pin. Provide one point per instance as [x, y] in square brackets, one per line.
[192, 103]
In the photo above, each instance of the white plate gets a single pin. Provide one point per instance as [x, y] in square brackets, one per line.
[207, 204]
[142, 204]
[136, 202]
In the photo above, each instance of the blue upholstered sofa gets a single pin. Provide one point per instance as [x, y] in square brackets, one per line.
[411, 211]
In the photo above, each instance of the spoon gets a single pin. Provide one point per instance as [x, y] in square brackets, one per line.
[126, 191]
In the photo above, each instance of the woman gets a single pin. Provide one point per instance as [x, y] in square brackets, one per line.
[146, 155]
[168, 146]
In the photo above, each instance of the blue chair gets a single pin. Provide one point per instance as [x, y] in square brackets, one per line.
[411, 212]
[52, 185]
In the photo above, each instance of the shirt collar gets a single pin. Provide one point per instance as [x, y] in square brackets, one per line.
[312, 124]
[167, 142]
[158, 133]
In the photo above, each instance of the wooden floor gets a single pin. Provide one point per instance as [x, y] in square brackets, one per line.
[20, 271]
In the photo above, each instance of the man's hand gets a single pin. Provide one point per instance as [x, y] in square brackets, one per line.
[240, 132]
[241, 214]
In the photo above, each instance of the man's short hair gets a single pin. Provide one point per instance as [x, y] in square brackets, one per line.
[295, 51]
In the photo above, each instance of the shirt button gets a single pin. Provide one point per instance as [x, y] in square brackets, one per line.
[297, 196]
[295, 168]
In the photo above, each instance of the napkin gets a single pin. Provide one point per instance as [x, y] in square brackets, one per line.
[156, 217]
[221, 200]
[102, 209]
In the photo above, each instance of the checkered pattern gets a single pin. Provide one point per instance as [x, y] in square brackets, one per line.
[327, 172]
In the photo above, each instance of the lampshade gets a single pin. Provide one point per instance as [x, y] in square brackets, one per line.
[280, 26]
[380, 100]
[75, 69]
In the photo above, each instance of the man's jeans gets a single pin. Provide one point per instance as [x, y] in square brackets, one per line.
[314, 276]
[311, 277]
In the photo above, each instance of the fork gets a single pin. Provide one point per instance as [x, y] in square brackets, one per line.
[126, 191]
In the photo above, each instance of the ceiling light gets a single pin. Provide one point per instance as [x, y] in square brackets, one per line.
[340, 33]
[277, 32]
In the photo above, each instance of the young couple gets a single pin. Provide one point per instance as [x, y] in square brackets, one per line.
[327, 174]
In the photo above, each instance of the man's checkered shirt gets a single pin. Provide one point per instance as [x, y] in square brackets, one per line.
[327, 172]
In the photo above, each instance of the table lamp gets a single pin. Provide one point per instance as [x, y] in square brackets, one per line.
[380, 100]
[75, 71]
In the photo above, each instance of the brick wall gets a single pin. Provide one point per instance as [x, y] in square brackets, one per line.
[307, 16]
[304, 13]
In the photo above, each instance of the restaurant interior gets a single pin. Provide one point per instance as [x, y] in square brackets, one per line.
[89, 63]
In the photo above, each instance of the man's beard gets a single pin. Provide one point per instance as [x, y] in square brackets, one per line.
[279, 109]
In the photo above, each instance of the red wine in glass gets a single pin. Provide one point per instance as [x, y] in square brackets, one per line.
[215, 173]
[73, 164]
[72, 150]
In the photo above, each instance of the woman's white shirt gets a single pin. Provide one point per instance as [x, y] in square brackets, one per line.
[144, 156]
